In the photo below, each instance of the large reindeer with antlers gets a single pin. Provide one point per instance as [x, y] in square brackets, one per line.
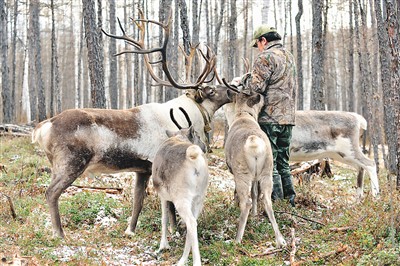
[78, 141]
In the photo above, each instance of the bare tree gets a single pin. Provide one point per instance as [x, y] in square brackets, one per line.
[219, 19]
[5, 92]
[95, 56]
[300, 92]
[350, 91]
[55, 95]
[265, 10]
[184, 26]
[79, 92]
[232, 33]
[14, 60]
[388, 91]
[113, 80]
[36, 93]
[393, 30]
[128, 61]
[317, 87]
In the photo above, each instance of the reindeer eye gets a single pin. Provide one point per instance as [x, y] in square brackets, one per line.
[212, 92]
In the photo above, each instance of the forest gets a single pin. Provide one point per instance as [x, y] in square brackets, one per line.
[71, 54]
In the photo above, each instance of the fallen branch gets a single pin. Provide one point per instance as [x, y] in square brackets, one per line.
[341, 249]
[111, 190]
[304, 218]
[15, 130]
[13, 214]
[319, 167]
[267, 252]
[335, 252]
[341, 229]
[293, 244]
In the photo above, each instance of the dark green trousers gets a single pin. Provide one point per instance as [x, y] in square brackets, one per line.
[280, 137]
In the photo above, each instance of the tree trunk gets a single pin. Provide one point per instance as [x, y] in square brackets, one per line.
[184, 26]
[6, 91]
[95, 57]
[55, 99]
[79, 92]
[300, 92]
[376, 90]
[366, 83]
[351, 95]
[232, 51]
[36, 93]
[265, 11]
[14, 63]
[388, 91]
[219, 20]
[128, 61]
[317, 87]
[113, 79]
[393, 137]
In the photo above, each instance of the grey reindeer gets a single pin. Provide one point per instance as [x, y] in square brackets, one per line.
[249, 158]
[180, 176]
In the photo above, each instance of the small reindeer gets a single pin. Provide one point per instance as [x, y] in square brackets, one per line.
[249, 158]
[180, 176]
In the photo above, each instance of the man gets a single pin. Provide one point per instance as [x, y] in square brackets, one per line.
[274, 76]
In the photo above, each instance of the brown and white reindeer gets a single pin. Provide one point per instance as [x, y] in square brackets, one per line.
[180, 176]
[109, 141]
[249, 158]
[327, 134]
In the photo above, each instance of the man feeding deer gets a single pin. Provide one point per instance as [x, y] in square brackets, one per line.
[274, 76]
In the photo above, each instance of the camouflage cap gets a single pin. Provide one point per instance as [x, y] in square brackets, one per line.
[260, 31]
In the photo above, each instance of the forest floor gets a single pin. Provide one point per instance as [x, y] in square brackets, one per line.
[329, 226]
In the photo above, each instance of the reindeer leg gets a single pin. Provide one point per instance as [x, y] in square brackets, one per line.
[164, 224]
[360, 183]
[254, 198]
[64, 173]
[184, 210]
[138, 197]
[266, 187]
[245, 203]
[57, 186]
[172, 217]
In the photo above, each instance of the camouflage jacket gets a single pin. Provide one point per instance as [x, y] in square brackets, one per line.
[274, 76]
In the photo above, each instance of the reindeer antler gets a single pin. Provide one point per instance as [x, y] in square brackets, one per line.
[209, 56]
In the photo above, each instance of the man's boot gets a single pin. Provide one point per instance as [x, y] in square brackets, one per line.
[288, 189]
[277, 191]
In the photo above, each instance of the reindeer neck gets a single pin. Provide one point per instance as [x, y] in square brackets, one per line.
[243, 113]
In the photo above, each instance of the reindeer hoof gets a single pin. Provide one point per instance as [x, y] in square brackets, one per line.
[129, 232]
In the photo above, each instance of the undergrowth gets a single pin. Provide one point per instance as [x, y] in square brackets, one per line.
[330, 225]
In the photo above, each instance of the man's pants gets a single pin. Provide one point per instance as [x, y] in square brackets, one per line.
[280, 137]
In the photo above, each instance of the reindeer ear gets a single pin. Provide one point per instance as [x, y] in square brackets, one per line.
[170, 133]
[199, 96]
[254, 99]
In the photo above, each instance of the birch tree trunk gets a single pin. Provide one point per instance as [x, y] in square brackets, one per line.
[113, 79]
[79, 92]
[389, 111]
[232, 33]
[376, 90]
[265, 11]
[300, 92]
[351, 94]
[36, 93]
[219, 19]
[14, 89]
[55, 94]
[5, 88]
[95, 57]
[317, 58]
[393, 30]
